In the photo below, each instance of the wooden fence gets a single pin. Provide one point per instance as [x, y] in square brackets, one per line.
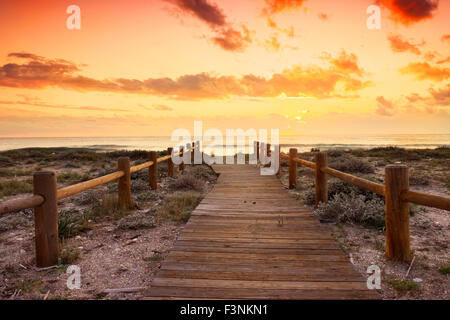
[46, 196]
[395, 190]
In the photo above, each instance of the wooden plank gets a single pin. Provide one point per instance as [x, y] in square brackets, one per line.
[243, 284]
[257, 256]
[249, 239]
[258, 294]
[323, 276]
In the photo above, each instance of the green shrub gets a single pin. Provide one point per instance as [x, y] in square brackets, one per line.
[403, 286]
[352, 208]
[338, 186]
[72, 222]
[445, 270]
[68, 223]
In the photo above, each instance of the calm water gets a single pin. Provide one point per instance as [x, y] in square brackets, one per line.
[303, 142]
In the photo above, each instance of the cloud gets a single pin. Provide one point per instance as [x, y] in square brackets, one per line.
[226, 36]
[273, 43]
[445, 38]
[340, 77]
[439, 99]
[400, 45]
[445, 60]
[415, 97]
[346, 62]
[410, 11]
[441, 96]
[36, 102]
[425, 71]
[162, 107]
[233, 40]
[384, 107]
[272, 24]
[203, 10]
[277, 6]
[323, 16]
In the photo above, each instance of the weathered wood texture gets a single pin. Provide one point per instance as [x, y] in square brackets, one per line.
[46, 219]
[249, 239]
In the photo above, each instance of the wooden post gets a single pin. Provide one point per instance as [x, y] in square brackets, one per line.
[169, 163]
[397, 213]
[269, 152]
[123, 164]
[257, 151]
[181, 165]
[193, 153]
[279, 159]
[292, 168]
[46, 219]
[153, 171]
[321, 178]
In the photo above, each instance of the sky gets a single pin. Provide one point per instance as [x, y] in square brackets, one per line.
[148, 67]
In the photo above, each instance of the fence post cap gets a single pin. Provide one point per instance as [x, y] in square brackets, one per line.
[46, 172]
[396, 166]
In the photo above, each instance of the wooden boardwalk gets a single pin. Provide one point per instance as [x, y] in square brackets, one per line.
[249, 239]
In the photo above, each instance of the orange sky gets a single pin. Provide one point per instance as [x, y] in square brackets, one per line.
[148, 67]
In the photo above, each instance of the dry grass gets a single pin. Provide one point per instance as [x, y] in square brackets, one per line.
[186, 182]
[13, 187]
[107, 208]
[178, 207]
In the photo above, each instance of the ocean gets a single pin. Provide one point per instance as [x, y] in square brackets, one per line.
[301, 142]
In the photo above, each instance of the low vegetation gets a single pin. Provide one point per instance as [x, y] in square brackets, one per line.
[107, 207]
[13, 187]
[178, 207]
[68, 256]
[136, 221]
[336, 187]
[400, 154]
[72, 222]
[445, 270]
[350, 164]
[403, 287]
[15, 220]
[72, 177]
[354, 208]
[187, 181]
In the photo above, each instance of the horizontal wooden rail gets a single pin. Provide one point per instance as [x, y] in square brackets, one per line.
[395, 190]
[357, 181]
[46, 196]
[21, 204]
[141, 166]
[86, 185]
[162, 159]
[425, 199]
[306, 163]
